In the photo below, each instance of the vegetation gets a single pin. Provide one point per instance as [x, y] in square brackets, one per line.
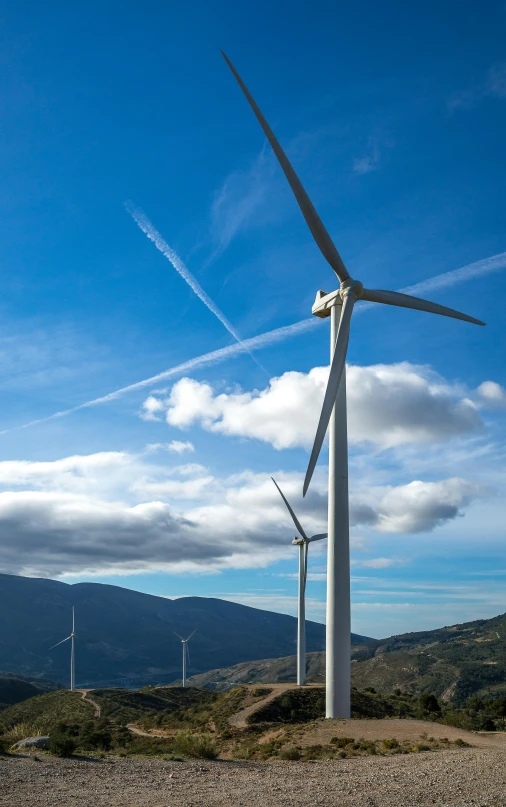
[452, 663]
[299, 706]
[194, 723]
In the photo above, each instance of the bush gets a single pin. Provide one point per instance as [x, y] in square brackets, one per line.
[96, 739]
[289, 753]
[389, 745]
[461, 743]
[341, 742]
[4, 744]
[314, 752]
[429, 703]
[421, 747]
[198, 746]
[62, 745]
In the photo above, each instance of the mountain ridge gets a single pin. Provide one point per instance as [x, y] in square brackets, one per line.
[454, 663]
[129, 635]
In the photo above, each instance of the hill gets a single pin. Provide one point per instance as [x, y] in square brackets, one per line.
[452, 662]
[129, 636]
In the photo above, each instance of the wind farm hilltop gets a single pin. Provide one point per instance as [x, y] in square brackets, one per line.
[270, 572]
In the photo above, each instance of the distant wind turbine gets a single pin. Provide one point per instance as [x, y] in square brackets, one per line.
[303, 543]
[338, 305]
[72, 636]
[186, 651]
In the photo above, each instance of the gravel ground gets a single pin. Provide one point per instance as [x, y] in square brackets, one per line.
[463, 778]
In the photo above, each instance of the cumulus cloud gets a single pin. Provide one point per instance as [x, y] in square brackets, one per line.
[152, 408]
[491, 394]
[423, 506]
[179, 447]
[117, 513]
[389, 405]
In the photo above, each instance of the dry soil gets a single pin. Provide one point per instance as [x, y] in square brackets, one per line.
[458, 778]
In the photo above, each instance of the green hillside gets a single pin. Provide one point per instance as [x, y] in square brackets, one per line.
[453, 663]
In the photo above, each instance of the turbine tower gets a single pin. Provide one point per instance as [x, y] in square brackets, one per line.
[303, 543]
[338, 305]
[72, 636]
[186, 652]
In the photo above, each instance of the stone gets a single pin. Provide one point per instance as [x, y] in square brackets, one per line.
[33, 742]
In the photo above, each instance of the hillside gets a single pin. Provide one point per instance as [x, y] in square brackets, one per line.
[129, 636]
[452, 662]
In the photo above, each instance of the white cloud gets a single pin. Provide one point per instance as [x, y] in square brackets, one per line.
[493, 84]
[370, 161]
[496, 80]
[376, 563]
[72, 517]
[179, 447]
[238, 200]
[389, 405]
[151, 408]
[491, 394]
[423, 506]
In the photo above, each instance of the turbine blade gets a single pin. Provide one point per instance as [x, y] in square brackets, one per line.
[318, 537]
[336, 372]
[178, 636]
[192, 634]
[294, 517]
[406, 301]
[58, 643]
[313, 221]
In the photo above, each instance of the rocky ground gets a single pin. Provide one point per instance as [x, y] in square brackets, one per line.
[459, 777]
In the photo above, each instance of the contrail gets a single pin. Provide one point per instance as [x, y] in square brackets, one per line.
[214, 357]
[469, 272]
[162, 246]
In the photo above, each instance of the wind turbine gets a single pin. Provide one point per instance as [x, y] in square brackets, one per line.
[303, 543]
[338, 305]
[72, 636]
[186, 651]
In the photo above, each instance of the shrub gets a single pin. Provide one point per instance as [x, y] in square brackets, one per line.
[389, 745]
[429, 703]
[341, 742]
[289, 753]
[96, 739]
[62, 745]
[314, 752]
[421, 747]
[4, 744]
[198, 746]
[461, 743]
[20, 731]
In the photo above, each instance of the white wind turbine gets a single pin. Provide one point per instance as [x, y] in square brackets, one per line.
[186, 651]
[338, 305]
[72, 636]
[303, 543]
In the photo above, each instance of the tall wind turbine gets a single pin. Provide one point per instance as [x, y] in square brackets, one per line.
[186, 652]
[72, 636]
[303, 543]
[338, 305]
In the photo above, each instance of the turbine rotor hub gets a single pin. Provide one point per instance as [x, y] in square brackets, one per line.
[351, 286]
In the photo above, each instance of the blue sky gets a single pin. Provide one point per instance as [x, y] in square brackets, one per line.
[394, 119]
